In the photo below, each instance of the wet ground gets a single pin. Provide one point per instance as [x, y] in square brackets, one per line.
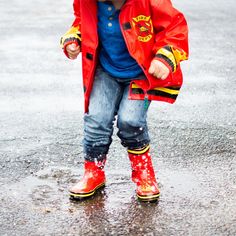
[41, 109]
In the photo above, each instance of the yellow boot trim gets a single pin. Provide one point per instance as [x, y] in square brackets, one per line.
[84, 195]
[146, 198]
[139, 151]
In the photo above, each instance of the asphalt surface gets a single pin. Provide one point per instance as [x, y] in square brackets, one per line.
[41, 117]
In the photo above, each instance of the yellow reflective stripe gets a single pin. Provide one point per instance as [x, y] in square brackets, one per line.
[168, 54]
[167, 90]
[73, 32]
[163, 89]
[138, 152]
[180, 55]
[135, 86]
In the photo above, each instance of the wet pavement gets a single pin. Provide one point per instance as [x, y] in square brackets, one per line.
[41, 116]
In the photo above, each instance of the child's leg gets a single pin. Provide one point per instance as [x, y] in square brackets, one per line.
[98, 122]
[98, 129]
[133, 132]
[132, 122]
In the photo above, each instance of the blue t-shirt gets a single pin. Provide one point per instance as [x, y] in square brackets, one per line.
[114, 56]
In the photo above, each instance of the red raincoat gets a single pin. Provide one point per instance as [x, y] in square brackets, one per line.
[151, 28]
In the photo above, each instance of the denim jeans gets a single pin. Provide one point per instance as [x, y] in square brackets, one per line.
[108, 99]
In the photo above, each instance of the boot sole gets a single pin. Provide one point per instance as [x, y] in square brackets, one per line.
[81, 196]
[148, 198]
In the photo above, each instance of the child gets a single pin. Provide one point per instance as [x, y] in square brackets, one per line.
[131, 53]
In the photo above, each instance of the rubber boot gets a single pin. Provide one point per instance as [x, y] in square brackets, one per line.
[93, 180]
[143, 175]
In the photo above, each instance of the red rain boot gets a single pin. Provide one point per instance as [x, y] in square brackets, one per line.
[143, 175]
[93, 179]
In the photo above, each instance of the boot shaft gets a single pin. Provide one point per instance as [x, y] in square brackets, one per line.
[92, 180]
[94, 169]
[144, 176]
[94, 165]
[142, 168]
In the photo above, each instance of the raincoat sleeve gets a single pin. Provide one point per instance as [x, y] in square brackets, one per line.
[171, 33]
[73, 35]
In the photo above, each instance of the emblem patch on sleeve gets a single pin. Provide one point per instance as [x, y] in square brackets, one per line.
[144, 28]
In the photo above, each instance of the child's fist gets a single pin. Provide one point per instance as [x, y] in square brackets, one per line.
[73, 50]
[159, 70]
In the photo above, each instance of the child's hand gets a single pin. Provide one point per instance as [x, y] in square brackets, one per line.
[73, 51]
[159, 70]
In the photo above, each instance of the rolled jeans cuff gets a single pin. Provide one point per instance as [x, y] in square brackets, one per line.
[136, 145]
[95, 154]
